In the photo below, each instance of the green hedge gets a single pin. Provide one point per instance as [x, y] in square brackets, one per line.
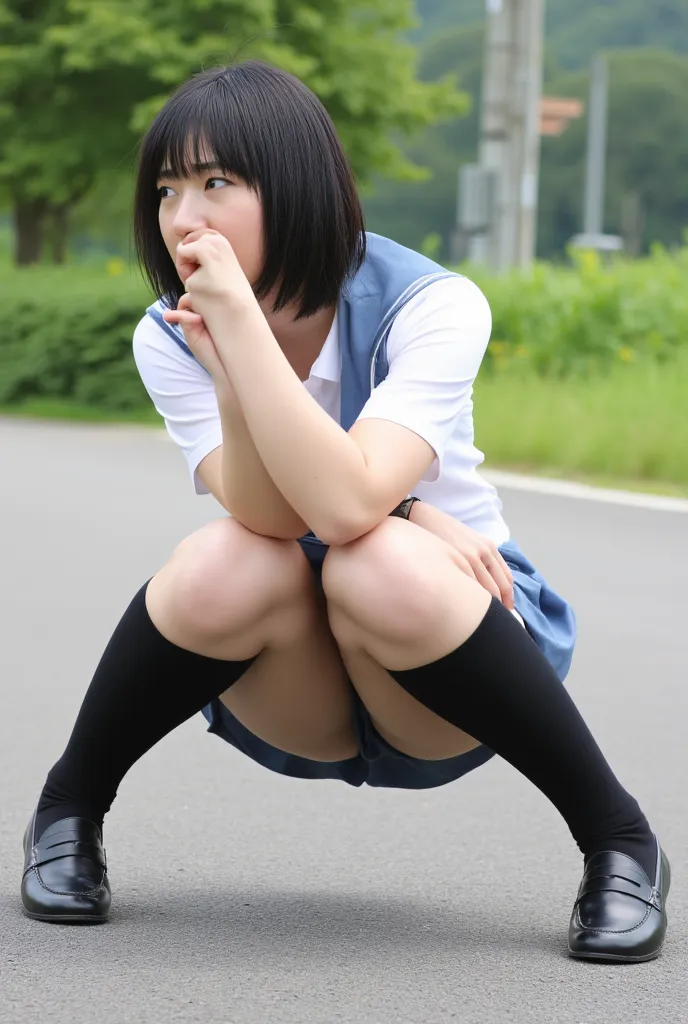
[67, 331]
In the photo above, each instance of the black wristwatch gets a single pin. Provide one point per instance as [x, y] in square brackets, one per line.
[403, 509]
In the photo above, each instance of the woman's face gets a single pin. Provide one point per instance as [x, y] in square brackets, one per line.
[212, 199]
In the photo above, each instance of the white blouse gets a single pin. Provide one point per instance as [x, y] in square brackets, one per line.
[434, 351]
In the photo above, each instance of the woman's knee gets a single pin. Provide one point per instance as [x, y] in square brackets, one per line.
[401, 584]
[224, 578]
[388, 581]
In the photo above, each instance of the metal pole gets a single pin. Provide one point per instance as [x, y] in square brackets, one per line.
[530, 54]
[510, 130]
[597, 148]
[494, 127]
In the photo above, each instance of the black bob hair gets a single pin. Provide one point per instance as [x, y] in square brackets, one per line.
[262, 125]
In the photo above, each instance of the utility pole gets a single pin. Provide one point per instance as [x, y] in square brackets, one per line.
[505, 183]
[531, 29]
[596, 164]
[595, 171]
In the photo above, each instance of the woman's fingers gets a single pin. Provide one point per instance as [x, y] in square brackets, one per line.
[474, 568]
[502, 580]
[188, 259]
[182, 316]
[463, 564]
[485, 579]
[185, 268]
[481, 565]
[505, 568]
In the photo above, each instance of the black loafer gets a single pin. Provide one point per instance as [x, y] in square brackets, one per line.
[65, 873]
[620, 914]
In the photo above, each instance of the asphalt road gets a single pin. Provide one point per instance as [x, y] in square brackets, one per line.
[242, 896]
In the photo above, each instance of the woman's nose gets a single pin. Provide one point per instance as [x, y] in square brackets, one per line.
[188, 217]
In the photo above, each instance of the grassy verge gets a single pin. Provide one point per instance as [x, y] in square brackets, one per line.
[626, 428]
[65, 409]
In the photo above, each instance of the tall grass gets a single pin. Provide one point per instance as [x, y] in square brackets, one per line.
[630, 422]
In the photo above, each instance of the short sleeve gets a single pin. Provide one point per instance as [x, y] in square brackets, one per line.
[182, 392]
[434, 351]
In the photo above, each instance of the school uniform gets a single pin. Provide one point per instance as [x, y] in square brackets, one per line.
[406, 344]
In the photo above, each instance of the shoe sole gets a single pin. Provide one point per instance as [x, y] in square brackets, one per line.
[615, 958]
[65, 918]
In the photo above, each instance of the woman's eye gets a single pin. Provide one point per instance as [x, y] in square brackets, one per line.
[164, 191]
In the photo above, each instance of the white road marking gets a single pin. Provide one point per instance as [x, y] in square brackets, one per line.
[569, 489]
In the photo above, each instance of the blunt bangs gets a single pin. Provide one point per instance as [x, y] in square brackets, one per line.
[262, 125]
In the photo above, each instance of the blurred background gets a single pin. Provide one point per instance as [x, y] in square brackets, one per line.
[538, 145]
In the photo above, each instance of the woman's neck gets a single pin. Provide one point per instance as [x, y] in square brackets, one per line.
[300, 340]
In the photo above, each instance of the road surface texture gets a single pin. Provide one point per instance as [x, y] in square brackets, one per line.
[242, 897]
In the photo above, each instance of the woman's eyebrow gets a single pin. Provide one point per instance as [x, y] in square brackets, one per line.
[167, 172]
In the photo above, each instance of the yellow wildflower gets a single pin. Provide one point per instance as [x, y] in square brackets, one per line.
[590, 261]
[114, 267]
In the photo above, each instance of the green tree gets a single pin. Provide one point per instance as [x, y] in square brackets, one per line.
[62, 120]
[576, 31]
[81, 79]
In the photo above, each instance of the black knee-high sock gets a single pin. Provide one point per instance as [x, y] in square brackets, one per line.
[499, 688]
[143, 688]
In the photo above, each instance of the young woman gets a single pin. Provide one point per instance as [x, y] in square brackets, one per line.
[332, 626]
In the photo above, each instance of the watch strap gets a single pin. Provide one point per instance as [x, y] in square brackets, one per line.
[403, 509]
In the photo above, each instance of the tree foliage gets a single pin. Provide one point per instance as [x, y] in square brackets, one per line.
[81, 79]
[576, 31]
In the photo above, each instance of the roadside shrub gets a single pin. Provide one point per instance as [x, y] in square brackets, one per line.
[67, 332]
[561, 321]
